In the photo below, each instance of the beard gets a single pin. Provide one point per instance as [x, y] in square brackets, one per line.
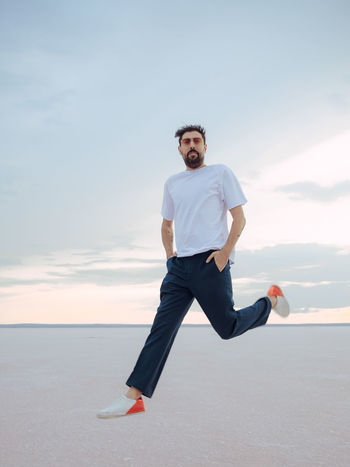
[194, 162]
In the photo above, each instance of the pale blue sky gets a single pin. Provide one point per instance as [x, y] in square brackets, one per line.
[93, 92]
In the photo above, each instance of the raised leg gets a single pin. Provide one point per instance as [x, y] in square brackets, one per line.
[213, 290]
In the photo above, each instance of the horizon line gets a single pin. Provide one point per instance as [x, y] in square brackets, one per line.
[121, 325]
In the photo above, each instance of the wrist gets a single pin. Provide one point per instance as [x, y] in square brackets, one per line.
[226, 250]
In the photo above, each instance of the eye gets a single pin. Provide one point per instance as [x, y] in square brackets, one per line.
[186, 141]
[197, 140]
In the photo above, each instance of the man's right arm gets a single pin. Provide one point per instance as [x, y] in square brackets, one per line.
[168, 238]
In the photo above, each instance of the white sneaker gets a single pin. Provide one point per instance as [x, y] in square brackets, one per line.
[282, 306]
[121, 407]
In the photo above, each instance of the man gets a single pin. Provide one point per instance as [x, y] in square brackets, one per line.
[197, 199]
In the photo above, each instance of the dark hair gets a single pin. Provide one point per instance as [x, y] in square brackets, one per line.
[180, 132]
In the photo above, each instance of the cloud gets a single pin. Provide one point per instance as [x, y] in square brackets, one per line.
[275, 214]
[103, 268]
[312, 275]
[295, 263]
[308, 262]
[111, 277]
[309, 190]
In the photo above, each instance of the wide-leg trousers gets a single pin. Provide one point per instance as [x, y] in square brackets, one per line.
[190, 278]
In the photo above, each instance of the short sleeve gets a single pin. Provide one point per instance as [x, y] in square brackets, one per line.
[168, 210]
[232, 192]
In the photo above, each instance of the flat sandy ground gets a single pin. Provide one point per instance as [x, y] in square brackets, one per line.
[275, 396]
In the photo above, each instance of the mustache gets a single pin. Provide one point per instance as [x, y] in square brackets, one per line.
[192, 150]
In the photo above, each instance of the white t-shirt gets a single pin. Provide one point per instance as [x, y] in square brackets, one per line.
[198, 201]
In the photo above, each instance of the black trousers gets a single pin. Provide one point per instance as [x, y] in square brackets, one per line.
[189, 278]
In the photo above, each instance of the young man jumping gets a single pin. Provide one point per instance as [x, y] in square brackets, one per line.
[196, 200]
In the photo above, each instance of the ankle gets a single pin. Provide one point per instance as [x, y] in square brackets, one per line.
[273, 300]
[133, 393]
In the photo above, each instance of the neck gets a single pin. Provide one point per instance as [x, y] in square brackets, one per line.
[190, 168]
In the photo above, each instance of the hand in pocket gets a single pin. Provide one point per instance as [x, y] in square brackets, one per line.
[220, 258]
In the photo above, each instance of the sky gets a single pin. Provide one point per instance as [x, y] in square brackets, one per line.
[91, 96]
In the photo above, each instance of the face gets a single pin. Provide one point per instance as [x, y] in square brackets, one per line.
[192, 149]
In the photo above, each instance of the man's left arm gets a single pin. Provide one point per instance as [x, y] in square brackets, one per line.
[238, 223]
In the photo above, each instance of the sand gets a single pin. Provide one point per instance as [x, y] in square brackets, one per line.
[275, 396]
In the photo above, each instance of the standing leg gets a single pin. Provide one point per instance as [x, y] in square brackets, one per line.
[213, 290]
[176, 300]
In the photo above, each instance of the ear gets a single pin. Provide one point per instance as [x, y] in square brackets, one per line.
[178, 148]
